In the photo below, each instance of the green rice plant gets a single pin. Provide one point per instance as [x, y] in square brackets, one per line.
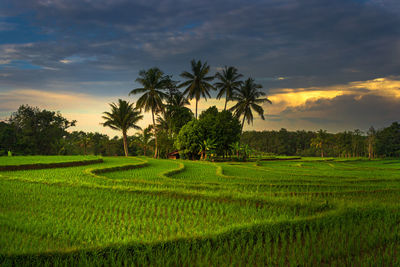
[141, 211]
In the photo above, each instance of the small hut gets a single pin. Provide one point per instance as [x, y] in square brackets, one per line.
[173, 155]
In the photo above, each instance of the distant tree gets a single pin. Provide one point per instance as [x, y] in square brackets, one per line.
[228, 83]
[8, 138]
[99, 143]
[249, 98]
[235, 147]
[358, 144]
[144, 139]
[38, 131]
[197, 82]
[123, 116]
[388, 141]
[84, 141]
[154, 82]
[320, 141]
[344, 143]
[371, 140]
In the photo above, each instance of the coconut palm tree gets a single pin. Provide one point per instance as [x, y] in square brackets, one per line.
[84, 141]
[154, 82]
[228, 83]
[144, 139]
[123, 116]
[319, 141]
[177, 99]
[249, 97]
[197, 83]
[235, 147]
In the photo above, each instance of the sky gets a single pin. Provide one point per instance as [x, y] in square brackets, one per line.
[324, 64]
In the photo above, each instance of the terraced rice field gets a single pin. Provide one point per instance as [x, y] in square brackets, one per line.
[141, 211]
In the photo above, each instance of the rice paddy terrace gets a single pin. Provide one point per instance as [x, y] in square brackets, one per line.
[142, 211]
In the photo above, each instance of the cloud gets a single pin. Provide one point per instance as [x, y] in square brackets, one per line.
[358, 104]
[300, 51]
[314, 42]
[347, 112]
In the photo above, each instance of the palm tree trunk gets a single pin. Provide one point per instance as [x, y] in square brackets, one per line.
[241, 131]
[226, 101]
[125, 143]
[155, 135]
[196, 107]
[144, 150]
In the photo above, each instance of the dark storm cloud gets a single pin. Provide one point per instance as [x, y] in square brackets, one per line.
[347, 112]
[313, 42]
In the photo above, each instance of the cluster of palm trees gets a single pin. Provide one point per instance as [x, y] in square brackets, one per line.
[197, 84]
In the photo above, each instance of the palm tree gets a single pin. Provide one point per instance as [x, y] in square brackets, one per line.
[84, 141]
[206, 146]
[177, 99]
[153, 82]
[319, 141]
[248, 98]
[144, 139]
[236, 148]
[197, 84]
[123, 116]
[228, 83]
[163, 122]
[371, 140]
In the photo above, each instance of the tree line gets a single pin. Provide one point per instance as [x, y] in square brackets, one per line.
[383, 142]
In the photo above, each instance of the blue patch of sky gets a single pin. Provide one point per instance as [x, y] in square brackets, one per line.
[21, 65]
[21, 31]
[79, 59]
[190, 26]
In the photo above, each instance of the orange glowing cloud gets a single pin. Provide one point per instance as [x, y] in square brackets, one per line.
[289, 97]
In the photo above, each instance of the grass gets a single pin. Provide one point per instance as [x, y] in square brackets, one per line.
[140, 211]
[22, 160]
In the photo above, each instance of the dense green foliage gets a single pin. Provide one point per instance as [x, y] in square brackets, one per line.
[220, 128]
[388, 141]
[384, 142]
[141, 211]
[33, 131]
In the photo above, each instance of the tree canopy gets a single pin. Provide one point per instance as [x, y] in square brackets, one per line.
[217, 129]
